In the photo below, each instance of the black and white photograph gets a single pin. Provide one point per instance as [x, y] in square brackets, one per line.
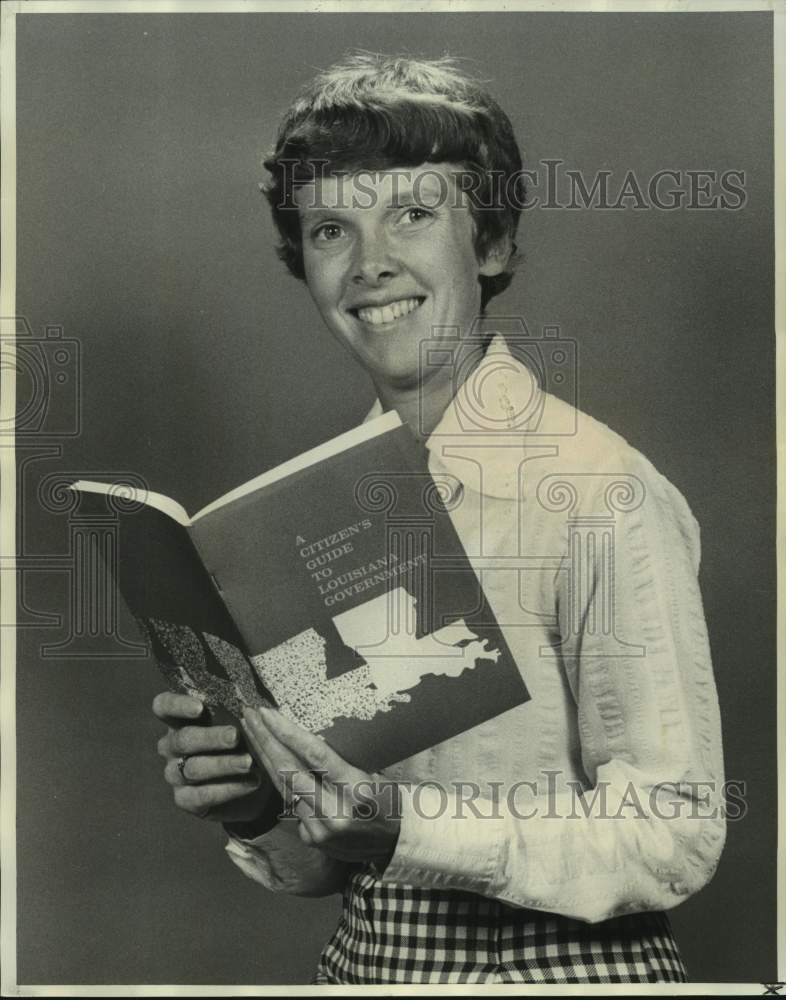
[388, 439]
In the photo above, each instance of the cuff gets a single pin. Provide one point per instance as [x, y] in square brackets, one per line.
[446, 843]
[250, 861]
[281, 862]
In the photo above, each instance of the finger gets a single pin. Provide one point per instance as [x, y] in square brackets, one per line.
[304, 796]
[175, 708]
[311, 749]
[308, 797]
[193, 740]
[284, 774]
[208, 768]
[314, 806]
[267, 765]
[321, 800]
[278, 759]
[322, 809]
[190, 740]
[199, 800]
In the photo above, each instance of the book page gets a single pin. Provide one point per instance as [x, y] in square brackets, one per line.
[147, 497]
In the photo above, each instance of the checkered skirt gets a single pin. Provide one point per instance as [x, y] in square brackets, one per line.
[392, 933]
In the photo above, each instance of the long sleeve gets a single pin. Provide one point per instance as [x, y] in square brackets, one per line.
[281, 862]
[647, 828]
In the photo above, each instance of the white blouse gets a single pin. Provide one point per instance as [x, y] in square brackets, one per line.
[602, 794]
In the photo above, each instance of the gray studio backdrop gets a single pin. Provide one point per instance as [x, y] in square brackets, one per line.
[197, 362]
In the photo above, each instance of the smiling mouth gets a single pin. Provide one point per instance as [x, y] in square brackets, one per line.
[380, 315]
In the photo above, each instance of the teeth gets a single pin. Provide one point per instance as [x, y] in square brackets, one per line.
[376, 315]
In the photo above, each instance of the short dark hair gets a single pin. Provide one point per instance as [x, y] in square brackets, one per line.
[373, 112]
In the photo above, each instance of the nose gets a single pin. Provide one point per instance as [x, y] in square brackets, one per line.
[374, 262]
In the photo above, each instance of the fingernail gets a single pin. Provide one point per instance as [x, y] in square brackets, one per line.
[243, 763]
[250, 717]
[230, 736]
[195, 711]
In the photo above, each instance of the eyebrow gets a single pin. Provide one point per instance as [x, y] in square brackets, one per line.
[401, 199]
[320, 213]
[422, 190]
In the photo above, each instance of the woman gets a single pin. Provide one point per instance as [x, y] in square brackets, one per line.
[545, 844]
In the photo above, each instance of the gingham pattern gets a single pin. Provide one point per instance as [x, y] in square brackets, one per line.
[391, 933]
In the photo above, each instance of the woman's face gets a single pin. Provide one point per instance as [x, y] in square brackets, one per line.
[390, 263]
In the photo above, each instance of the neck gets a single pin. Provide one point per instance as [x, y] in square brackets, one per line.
[422, 405]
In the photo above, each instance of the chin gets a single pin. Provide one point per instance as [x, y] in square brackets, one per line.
[398, 367]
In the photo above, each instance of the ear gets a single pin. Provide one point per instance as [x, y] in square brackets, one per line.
[496, 258]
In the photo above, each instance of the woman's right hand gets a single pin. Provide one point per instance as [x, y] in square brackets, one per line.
[211, 773]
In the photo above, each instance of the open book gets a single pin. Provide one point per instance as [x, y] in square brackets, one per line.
[334, 586]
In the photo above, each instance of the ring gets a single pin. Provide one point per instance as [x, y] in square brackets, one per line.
[181, 766]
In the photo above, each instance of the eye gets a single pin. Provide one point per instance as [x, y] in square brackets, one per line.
[415, 214]
[328, 232]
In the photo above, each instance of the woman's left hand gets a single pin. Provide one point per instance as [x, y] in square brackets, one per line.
[345, 812]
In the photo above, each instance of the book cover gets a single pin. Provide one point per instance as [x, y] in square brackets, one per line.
[339, 590]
